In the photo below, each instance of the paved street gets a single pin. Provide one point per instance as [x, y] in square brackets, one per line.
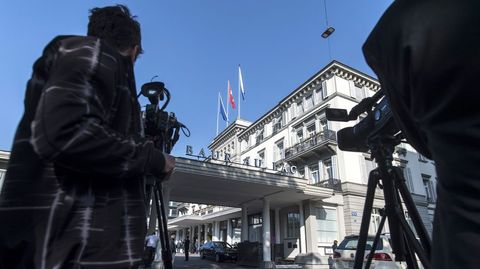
[196, 262]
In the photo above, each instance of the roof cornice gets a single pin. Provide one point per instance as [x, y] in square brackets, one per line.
[333, 68]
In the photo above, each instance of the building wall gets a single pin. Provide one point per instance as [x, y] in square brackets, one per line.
[338, 87]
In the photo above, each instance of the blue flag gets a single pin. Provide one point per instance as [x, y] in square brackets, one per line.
[222, 111]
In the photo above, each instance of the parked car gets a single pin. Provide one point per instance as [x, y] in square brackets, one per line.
[344, 254]
[219, 250]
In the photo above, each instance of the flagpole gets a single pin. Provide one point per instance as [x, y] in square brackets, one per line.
[228, 99]
[218, 110]
[239, 101]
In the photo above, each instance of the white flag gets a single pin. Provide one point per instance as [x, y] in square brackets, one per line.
[240, 82]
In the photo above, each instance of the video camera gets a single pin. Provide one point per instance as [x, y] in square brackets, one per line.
[160, 125]
[163, 129]
[378, 122]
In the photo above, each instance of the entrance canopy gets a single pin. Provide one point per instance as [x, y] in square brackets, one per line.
[234, 185]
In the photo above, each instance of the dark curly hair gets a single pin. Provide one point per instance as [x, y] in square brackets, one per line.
[117, 26]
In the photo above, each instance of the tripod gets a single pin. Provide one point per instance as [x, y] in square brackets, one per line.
[162, 219]
[404, 244]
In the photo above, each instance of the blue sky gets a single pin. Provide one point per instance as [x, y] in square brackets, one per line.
[195, 46]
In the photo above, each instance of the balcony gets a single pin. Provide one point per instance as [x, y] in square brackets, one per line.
[331, 183]
[314, 146]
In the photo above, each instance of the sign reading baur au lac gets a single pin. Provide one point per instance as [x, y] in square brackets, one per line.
[282, 167]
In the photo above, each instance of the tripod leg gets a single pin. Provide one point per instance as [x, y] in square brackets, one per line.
[412, 241]
[367, 211]
[413, 212]
[162, 226]
[375, 241]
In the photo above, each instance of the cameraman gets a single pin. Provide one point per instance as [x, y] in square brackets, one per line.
[427, 57]
[74, 193]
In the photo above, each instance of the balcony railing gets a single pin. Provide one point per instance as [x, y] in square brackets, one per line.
[310, 143]
[331, 183]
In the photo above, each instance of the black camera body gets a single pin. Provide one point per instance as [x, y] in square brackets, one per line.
[158, 121]
[162, 127]
[378, 122]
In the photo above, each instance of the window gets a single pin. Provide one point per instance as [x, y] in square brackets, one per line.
[236, 230]
[2, 178]
[408, 177]
[255, 228]
[311, 130]
[323, 124]
[246, 161]
[278, 151]
[259, 136]
[314, 176]
[301, 171]
[261, 158]
[318, 95]
[299, 135]
[327, 169]
[299, 109]
[429, 190]
[324, 90]
[308, 102]
[359, 92]
[367, 165]
[277, 124]
[326, 225]
[293, 225]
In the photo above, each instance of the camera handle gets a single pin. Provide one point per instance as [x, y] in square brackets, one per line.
[404, 243]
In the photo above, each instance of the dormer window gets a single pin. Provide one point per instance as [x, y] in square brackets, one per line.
[277, 123]
[259, 136]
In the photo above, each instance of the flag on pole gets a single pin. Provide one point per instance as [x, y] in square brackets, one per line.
[230, 96]
[240, 82]
[222, 111]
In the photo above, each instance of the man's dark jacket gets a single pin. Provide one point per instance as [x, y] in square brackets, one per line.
[73, 193]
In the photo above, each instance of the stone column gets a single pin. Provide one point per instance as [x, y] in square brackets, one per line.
[229, 231]
[244, 223]
[303, 248]
[215, 232]
[311, 227]
[267, 255]
[277, 225]
[199, 234]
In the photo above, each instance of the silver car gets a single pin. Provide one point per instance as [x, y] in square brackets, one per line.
[344, 254]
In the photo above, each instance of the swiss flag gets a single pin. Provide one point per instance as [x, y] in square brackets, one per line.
[230, 96]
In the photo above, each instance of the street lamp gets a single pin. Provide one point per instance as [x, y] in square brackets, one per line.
[328, 32]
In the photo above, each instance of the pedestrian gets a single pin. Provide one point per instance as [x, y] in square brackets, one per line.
[334, 246]
[186, 246]
[173, 248]
[151, 243]
[73, 193]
